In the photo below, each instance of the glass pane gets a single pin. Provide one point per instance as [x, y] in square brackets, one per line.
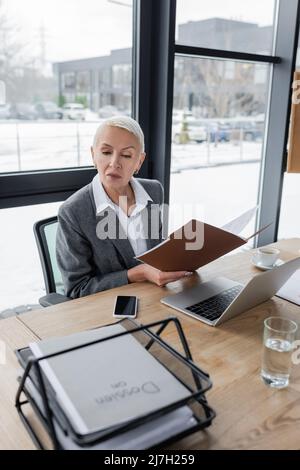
[50, 234]
[289, 224]
[22, 281]
[246, 26]
[64, 66]
[217, 133]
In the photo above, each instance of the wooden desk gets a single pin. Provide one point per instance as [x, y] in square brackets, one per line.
[13, 435]
[249, 414]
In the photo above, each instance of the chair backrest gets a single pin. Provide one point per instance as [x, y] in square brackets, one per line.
[45, 235]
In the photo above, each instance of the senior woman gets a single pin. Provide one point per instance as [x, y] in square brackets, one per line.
[106, 224]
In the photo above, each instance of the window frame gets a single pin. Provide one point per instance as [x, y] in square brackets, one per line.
[39, 187]
[154, 109]
[153, 57]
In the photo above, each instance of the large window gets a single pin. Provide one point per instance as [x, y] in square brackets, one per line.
[56, 62]
[62, 62]
[21, 274]
[217, 146]
[217, 132]
[220, 106]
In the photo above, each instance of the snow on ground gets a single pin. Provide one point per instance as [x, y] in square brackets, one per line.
[221, 181]
[40, 145]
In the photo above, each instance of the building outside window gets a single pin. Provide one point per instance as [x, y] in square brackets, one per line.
[69, 82]
[104, 78]
[83, 81]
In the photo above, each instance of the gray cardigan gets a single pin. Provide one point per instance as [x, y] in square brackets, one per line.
[89, 264]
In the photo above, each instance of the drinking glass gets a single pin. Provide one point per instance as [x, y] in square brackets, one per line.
[279, 335]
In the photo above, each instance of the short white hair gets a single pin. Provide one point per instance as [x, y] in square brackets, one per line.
[124, 122]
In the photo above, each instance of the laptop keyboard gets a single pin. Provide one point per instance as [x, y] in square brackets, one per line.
[213, 307]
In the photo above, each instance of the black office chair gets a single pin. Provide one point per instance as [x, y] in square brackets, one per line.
[45, 235]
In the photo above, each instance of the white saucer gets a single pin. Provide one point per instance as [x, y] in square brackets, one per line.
[258, 265]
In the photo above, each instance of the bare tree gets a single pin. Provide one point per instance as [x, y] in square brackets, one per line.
[218, 88]
[24, 82]
[10, 50]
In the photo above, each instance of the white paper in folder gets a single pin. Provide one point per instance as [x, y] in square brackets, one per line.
[237, 225]
[291, 289]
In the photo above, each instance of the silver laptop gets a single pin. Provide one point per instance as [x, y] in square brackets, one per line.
[221, 299]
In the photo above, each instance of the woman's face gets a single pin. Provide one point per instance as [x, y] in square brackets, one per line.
[117, 156]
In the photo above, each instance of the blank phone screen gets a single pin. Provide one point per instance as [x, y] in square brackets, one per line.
[125, 305]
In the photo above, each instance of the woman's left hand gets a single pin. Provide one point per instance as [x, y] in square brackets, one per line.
[144, 272]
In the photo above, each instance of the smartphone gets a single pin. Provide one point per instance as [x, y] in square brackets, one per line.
[125, 307]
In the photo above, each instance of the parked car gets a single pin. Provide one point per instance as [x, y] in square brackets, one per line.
[4, 111]
[48, 110]
[249, 130]
[220, 133]
[75, 111]
[108, 111]
[179, 136]
[24, 111]
[216, 131]
[196, 131]
[188, 129]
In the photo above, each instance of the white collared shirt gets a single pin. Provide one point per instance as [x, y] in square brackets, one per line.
[132, 225]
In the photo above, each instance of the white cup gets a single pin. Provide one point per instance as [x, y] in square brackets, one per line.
[266, 256]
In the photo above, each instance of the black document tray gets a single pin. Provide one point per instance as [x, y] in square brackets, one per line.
[150, 336]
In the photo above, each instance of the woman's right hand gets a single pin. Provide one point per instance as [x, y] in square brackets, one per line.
[145, 272]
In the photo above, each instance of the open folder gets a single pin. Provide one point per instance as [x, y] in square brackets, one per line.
[196, 243]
